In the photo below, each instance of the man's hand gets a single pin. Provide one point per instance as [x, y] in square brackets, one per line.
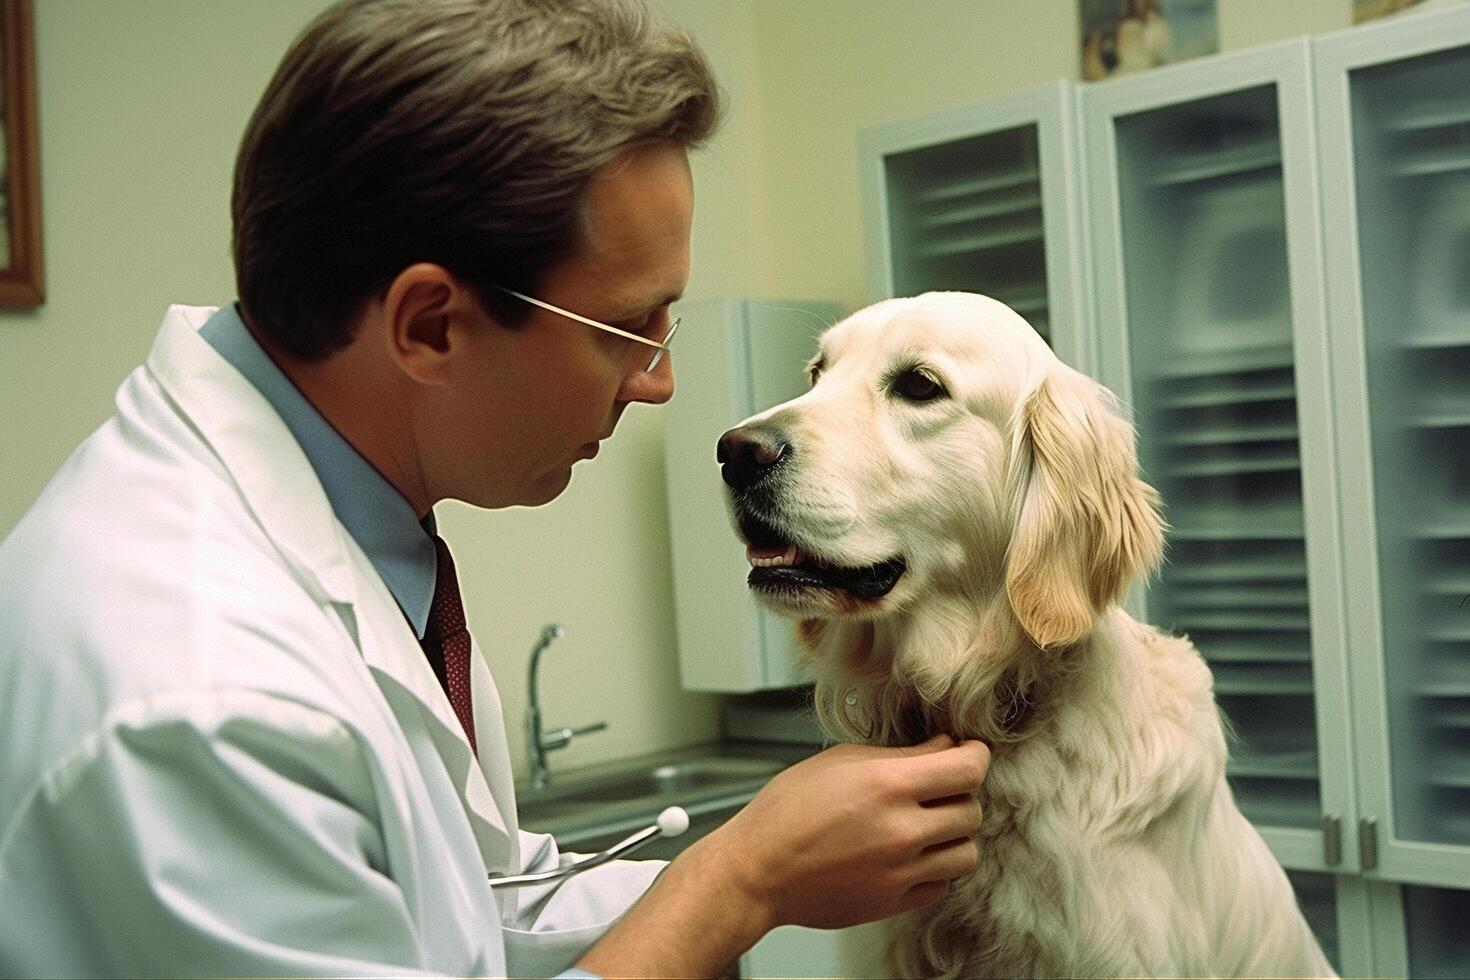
[857, 833]
[854, 834]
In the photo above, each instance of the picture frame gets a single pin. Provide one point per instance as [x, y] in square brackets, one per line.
[1124, 36]
[21, 281]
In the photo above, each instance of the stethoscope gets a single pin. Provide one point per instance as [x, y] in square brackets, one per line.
[671, 823]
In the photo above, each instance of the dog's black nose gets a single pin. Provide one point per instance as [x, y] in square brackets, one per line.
[747, 454]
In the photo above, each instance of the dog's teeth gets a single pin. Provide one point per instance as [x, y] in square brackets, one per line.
[787, 557]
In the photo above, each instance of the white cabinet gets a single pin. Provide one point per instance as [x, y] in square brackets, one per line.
[1393, 113]
[735, 357]
[983, 202]
[1206, 229]
[1277, 268]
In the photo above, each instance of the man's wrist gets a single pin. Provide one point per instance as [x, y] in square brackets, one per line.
[696, 919]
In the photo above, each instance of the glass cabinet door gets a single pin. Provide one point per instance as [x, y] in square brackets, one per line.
[1412, 156]
[1396, 112]
[1214, 392]
[966, 215]
[1208, 265]
[982, 199]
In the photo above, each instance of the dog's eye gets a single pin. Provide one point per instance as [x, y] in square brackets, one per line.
[916, 386]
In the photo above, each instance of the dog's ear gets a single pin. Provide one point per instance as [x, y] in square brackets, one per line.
[1087, 525]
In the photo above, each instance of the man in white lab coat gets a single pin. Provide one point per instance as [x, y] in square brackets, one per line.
[242, 728]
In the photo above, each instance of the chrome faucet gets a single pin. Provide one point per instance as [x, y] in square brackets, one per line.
[539, 742]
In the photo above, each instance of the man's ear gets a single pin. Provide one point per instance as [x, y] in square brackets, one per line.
[419, 313]
[1088, 526]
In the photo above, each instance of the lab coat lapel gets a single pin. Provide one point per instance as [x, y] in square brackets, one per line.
[393, 653]
[283, 491]
[256, 448]
[490, 736]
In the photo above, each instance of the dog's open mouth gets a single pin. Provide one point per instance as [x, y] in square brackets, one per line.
[780, 567]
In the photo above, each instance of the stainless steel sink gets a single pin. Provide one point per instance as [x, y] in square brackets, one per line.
[592, 807]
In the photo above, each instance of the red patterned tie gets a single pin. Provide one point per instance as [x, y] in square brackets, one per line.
[447, 629]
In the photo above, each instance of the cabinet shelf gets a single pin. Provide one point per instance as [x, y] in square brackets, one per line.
[980, 243]
[1273, 622]
[1273, 765]
[1435, 342]
[1291, 679]
[1223, 396]
[947, 193]
[1448, 678]
[1206, 597]
[1235, 436]
[1217, 165]
[1450, 584]
[1238, 651]
[1185, 366]
[1029, 303]
[980, 212]
[1280, 516]
[1433, 166]
[1435, 117]
[1453, 773]
[1284, 463]
[1443, 532]
[1278, 808]
[1257, 532]
[1252, 568]
[1446, 420]
[1452, 718]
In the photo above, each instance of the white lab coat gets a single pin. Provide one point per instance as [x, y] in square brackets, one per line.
[222, 750]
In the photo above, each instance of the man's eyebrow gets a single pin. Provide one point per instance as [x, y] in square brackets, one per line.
[633, 312]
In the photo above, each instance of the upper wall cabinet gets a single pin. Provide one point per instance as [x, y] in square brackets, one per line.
[736, 357]
[1206, 234]
[982, 199]
[1393, 107]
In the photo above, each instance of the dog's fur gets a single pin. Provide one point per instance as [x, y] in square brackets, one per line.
[1111, 845]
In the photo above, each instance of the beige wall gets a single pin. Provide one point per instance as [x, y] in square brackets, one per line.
[141, 107]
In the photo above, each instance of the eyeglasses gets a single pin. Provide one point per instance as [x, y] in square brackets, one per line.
[663, 346]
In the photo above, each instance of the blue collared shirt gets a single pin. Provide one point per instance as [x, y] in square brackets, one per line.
[378, 517]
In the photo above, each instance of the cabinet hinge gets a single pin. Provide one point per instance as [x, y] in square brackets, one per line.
[1368, 843]
[1331, 840]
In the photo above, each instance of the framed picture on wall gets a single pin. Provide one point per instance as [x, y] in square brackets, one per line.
[21, 283]
[1122, 36]
[1373, 9]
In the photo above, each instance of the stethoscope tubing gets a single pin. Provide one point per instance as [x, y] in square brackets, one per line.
[621, 849]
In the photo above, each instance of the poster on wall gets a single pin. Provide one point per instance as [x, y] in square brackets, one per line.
[1371, 9]
[20, 167]
[1122, 36]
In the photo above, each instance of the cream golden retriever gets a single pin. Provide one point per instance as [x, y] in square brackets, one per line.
[953, 516]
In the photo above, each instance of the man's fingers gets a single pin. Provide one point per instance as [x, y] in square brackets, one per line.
[951, 818]
[951, 772]
[950, 860]
[934, 743]
[924, 894]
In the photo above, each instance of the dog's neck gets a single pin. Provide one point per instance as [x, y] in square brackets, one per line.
[944, 670]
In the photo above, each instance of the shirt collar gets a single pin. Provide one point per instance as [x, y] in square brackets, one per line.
[377, 516]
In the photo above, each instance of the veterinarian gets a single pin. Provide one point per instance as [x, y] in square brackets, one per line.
[243, 728]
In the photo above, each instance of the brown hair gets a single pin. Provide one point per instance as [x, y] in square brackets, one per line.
[460, 132]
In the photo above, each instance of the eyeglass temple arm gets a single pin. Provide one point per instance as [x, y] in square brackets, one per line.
[591, 323]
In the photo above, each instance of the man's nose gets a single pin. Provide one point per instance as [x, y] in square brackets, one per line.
[747, 454]
[650, 387]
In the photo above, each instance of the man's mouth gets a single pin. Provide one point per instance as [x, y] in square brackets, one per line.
[780, 567]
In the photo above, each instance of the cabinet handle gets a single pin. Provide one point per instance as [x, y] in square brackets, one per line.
[1331, 840]
[1368, 843]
